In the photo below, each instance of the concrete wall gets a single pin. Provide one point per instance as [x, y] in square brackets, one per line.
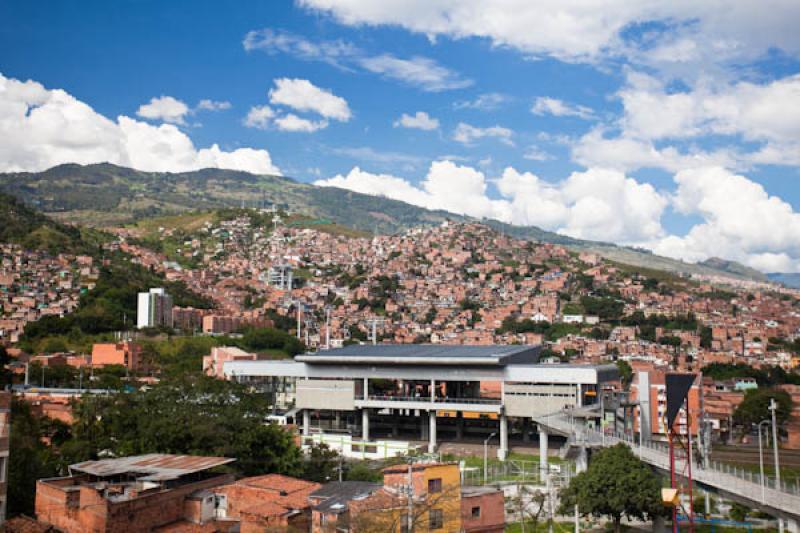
[326, 394]
[528, 400]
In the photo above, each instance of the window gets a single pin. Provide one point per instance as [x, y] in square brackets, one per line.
[434, 485]
[476, 512]
[404, 523]
[436, 519]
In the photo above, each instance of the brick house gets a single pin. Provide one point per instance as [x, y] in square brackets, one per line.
[132, 494]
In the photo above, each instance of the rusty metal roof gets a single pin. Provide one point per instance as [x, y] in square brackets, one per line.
[152, 466]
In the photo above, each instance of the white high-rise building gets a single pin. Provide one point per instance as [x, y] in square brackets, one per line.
[154, 309]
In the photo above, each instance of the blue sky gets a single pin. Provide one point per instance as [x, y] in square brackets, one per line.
[673, 126]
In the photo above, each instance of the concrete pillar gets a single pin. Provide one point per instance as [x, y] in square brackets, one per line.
[543, 437]
[526, 430]
[502, 452]
[459, 426]
[337, 420]
[792, 526]
[365, 424]
[432, 432]
[366, 388]
[582, 461]
[578, 395]
[306, 422]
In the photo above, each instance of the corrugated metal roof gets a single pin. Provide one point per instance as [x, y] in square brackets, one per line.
[152, 466]
[425, 354]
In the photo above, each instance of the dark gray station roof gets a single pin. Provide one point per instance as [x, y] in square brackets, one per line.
[424, 354]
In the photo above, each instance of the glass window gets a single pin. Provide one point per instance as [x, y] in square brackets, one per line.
[476, 512]
[436, 519]
[434, 485]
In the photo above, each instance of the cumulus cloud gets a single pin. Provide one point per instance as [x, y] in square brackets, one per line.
[741, 221]
[291, 122]
[259, 117]
[420, 121]
[754, 124]
[419, 71]
[678, 32]
[596, 204]
[41, 128]
[165, 108]
[303, 95]
[213, 105]
[467, 134]
[769, 111]
[544, 105]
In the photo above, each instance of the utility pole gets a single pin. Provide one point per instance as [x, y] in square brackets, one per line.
[327, 327]
[773, 407]
[410, 496]
[299, 315]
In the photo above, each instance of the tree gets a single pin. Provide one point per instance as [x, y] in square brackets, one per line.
[192, 415]
[29, 459]
[625, 373]
[528, 504]
[616, 484]
[755, 407]
[321, 464]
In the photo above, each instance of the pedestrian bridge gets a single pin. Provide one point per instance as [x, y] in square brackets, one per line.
[738, 484]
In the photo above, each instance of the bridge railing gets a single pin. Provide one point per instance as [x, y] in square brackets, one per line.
[744, 481]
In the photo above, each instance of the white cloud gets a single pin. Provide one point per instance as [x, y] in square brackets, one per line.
[766, 116]
[596, 204]
[545, 105]
[259, 117]
[756, 112]
[483, 102]
[213, 105]
[365, 153]
[291, 122]
[165, 108]
[418, 71]
[33, 120]
[420, 120]
[622, 153]
[534, 153]
[303, 95]
[422, 72]
[467, 134]
[741, 221]
[710, 31]
[336, 53]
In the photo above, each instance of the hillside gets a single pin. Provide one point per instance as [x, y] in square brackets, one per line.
[109, 195]
[19, 224]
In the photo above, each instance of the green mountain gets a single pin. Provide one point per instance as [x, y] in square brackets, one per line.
[20, 224]
[107, 195]
[734, 268]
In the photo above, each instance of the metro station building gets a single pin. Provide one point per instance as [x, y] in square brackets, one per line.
[425, 391]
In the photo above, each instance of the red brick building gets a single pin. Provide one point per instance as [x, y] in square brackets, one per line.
[131, 494]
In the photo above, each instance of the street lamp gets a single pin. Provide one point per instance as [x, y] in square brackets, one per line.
[773, 407]
[761, 461]
[486, 457]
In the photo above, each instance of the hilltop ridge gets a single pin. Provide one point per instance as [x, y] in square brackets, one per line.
[107, 195]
